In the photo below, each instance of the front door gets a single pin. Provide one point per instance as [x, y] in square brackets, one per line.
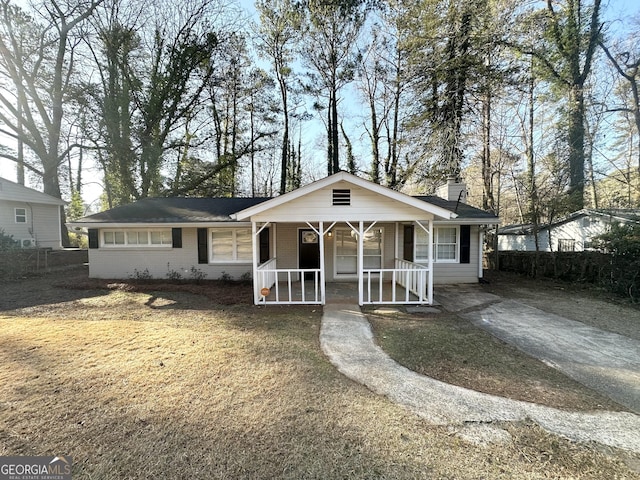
[308, 251]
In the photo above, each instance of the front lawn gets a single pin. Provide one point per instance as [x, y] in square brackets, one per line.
[445, 347]
[172, 385]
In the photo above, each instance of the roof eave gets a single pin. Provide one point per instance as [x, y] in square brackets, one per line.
[197, 224]
[344, 176]
[470, 221]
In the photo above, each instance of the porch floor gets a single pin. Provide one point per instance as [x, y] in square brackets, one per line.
[338, 292]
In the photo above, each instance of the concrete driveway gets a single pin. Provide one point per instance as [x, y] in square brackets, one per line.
[606, 362]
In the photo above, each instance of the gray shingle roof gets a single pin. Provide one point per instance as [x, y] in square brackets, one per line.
[619, 214]
[462, 209]
[218, 209]
[174, 210]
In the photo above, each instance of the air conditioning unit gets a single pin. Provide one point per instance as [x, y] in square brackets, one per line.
[27, 243]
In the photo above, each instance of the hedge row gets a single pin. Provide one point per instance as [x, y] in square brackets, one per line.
[619, 274]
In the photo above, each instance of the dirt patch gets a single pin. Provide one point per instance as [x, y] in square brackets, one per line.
[60, 287]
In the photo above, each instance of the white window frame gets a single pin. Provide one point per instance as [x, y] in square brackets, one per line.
[166, 242]
[234, 246]
[335, 253]
[436, 230]
[20, 215]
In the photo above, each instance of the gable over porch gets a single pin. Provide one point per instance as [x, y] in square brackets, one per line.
[341, 227]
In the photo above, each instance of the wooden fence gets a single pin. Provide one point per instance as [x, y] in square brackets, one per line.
[18, 263]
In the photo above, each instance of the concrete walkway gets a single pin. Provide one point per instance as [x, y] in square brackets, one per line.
[347, 340]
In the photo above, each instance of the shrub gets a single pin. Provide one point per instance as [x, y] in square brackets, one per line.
[197, 275]
[173, 275]
[7, 242]
[139, 275]
[622, 242]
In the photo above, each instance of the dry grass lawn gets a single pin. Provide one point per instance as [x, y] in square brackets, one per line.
[153, 384]
[445, 347]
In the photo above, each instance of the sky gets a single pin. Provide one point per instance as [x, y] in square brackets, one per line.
[615, 9]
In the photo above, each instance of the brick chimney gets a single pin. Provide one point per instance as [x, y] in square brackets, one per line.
[453, 190]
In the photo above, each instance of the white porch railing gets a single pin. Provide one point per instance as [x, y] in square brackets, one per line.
[411, 277]
[287, 286]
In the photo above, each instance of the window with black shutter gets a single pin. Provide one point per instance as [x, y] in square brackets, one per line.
[408, 243]
[465, 243]
[203, 253]
[94, 238]
[176, 237]
[265, 253]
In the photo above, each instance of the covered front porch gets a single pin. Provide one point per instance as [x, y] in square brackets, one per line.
[341, 228]
[361, 257]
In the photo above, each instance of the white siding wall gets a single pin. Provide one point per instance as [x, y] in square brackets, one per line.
[42, 224]
[450, 273]
[123, 262]
[581, 230]
[524, 243]
[365, 204]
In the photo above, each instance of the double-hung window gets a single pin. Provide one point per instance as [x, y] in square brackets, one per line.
[21, 215]
[446, 244]
[230, 245]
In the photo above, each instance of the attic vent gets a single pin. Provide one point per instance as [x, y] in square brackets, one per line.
[341, 197]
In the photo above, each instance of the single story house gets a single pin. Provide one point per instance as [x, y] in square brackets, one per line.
[340, 228]
[32, 218]
[573, 233]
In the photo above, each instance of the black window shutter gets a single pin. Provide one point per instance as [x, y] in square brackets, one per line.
[203, 254]
[465, 243]
[94, 238]
[264, 245]
[408, 243]
[176, 237]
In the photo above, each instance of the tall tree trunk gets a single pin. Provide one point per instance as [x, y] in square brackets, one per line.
[284, 160]
[488, 202]
[329, 136]
[531, 174]
[335, 140]
[576, 148]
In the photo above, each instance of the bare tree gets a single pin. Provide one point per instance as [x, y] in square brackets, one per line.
[37, 58]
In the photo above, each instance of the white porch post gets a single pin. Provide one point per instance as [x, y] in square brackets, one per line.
[397, 246]
[430, 283]
[360, 263]
[480, 251]
[254, 251]
[322, 273]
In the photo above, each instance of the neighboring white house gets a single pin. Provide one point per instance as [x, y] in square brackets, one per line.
[573, 233]
[340, 228]
[31, 217]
